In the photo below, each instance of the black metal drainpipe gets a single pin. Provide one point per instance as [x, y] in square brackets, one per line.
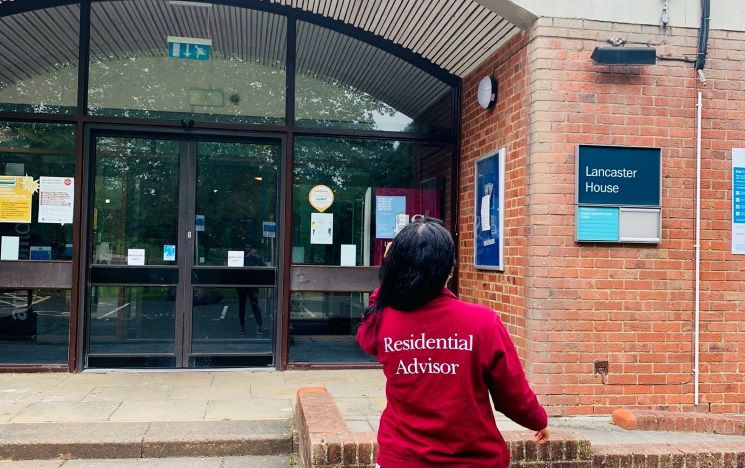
[703, 35]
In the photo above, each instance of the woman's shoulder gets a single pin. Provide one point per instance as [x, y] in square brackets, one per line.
[475, 311]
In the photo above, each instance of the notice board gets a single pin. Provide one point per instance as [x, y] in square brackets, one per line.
[488, 250]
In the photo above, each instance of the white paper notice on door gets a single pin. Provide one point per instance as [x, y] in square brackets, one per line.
[486, 213]
[56, 199]
[402, 220]
[135, 256]
[9, 246]
[321, 228]
[348, 255]
[235, 258]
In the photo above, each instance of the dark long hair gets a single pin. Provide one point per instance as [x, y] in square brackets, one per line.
[416, 267]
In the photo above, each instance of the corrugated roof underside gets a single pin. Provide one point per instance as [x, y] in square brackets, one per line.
[454, 34]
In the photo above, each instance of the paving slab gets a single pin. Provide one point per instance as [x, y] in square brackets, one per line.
[246, 379]
[600, 431]
[360, 425]
[324, 377]
[178, 378]
[160, 410]
[25, 394]
[31, 464]
[139, 393]
[250, 410]
[354, 408]
[9, 410]
[264, 392]
[354, 389]
[167, 439]
[66, 411]
[70, 394]
[30, 379]
[211, 392]
[105, 379]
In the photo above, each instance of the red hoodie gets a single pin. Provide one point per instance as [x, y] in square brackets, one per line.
[441, 362]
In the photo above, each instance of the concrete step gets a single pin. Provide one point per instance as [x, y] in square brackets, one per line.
[137, 440]
[255, 461]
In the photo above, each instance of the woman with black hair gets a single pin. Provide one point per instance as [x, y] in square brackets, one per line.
[442, 358]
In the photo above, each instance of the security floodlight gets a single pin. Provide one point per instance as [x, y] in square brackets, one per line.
[624, 56]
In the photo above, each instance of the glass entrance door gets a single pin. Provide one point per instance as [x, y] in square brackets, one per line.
[183, 251]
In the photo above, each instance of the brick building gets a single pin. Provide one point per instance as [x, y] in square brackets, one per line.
[569, 304]
[372, 102]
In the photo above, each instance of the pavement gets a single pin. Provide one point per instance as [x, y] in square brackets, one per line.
[153, 412]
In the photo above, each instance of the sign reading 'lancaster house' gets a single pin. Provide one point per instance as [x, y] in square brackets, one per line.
[608, 175]
[618, 194]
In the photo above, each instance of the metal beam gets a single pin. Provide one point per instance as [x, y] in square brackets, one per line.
[510, 11]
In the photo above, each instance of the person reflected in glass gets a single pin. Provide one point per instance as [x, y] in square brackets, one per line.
[250, 294]
[442, 358]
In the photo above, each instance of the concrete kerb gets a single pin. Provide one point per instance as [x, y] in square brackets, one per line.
[93, 440]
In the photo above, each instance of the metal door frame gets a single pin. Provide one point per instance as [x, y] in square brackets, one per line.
[188, 140]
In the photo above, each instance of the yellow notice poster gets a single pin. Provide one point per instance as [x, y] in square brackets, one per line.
[16, 193]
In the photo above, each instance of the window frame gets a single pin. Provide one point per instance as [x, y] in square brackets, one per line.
[59, 274]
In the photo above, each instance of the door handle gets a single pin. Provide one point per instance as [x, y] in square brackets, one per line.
[188, 234]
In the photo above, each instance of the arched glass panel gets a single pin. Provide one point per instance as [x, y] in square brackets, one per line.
[342, 82]
[174, 60]
[39, 60]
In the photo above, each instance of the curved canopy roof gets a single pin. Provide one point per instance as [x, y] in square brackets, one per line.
[447, 37]
[455, 35]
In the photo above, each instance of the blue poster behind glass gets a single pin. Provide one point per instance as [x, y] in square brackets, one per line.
[386, 209]
[489, 212]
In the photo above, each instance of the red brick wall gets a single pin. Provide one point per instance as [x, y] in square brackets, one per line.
[484, 132]
[629, 304]
[722, 274]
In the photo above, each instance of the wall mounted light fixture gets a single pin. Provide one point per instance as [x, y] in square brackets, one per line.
[624, 56]
[487, 92]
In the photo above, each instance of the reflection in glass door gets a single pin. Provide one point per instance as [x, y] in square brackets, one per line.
[234, 261]
[132, 300]
[182, 259]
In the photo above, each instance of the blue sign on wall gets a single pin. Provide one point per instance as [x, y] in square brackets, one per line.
[610, 175]
[738, 200]
[188, 48]
[597, 224]
[489, 213]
